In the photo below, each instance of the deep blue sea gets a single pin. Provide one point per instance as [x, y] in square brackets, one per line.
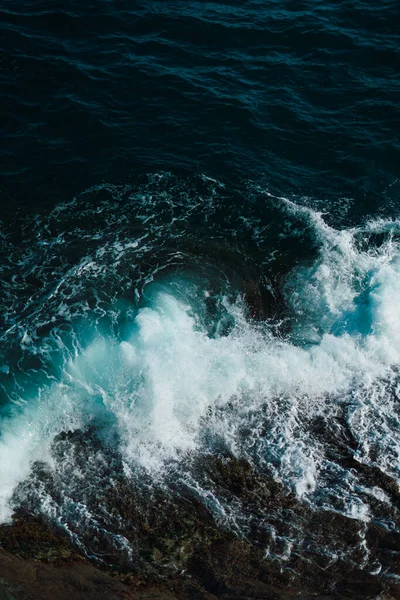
[200, 249]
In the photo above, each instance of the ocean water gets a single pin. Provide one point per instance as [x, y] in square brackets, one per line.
[200, 252]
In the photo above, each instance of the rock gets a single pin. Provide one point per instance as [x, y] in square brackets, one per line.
[27, 579]
[5, 592]
[179, 550]
[33, 580]
[31, 537]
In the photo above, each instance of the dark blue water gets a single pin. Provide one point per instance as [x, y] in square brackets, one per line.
[200, 250]
[299, 94]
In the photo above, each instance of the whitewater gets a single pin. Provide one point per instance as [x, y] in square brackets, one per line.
[182, 369]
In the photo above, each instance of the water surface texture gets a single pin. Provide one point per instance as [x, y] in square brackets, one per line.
[200, 255]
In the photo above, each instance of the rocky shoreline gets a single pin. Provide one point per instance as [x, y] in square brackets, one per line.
[180, 551]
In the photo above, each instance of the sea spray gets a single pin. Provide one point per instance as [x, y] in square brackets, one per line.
[174, 366]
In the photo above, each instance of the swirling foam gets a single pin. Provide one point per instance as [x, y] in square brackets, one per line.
[168, 387]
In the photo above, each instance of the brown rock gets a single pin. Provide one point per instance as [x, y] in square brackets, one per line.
[27, 579]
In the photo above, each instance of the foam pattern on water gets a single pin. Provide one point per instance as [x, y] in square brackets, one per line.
[116, 340]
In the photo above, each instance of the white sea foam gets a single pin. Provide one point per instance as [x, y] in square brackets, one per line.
[168, 381]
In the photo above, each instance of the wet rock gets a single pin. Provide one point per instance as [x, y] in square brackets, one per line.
[178, 547]
[6, 592]
[27, 579]
[31, 537]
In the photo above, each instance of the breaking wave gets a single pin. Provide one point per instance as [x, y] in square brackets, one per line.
[167, 346]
